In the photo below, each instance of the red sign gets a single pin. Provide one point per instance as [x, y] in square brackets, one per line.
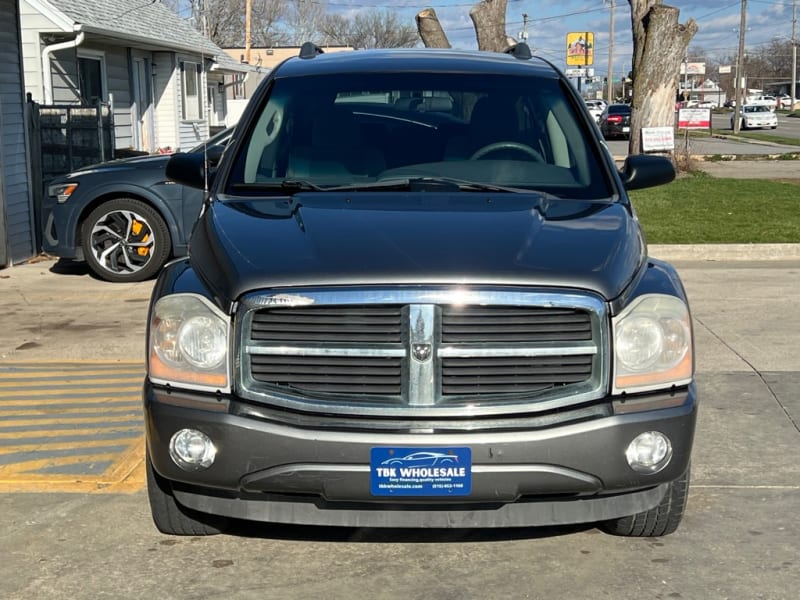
[694, 118]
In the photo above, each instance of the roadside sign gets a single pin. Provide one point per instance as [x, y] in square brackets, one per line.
[694, 118]
[657, 139]
[579, 73]
[580, 48]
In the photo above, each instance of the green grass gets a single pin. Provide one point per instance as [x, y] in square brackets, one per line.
[700, 209]
[763, 137]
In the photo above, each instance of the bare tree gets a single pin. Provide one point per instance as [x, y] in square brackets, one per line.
[303, 20]
[371, 29]
[659, 46]
[488, 18]
[223, 21]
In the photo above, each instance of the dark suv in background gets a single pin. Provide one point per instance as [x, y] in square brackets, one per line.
[419, 296]
[615, 121]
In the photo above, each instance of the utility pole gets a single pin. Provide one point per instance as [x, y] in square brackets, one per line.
[523, 35]
[611, 56]
[737, 111]
[247, 41]
[794, 54]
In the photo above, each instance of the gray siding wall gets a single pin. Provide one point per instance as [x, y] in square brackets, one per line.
[64, 68]
[192, 132]
[17, 236]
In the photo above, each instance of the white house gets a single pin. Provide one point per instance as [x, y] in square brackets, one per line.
[159, 74]
[17, 234]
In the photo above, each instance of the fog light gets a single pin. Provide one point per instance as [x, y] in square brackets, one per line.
[649, 452]
[192, 450]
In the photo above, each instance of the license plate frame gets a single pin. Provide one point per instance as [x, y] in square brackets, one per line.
[412, 471]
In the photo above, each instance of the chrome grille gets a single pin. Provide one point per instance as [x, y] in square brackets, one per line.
[430, 352]
[336, 325]
[515, 375]
[507, 325]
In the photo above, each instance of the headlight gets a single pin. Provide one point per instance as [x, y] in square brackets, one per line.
[188, 343]
[652, 344]
[61, 191]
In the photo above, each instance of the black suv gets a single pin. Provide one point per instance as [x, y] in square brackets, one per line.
[418, 296]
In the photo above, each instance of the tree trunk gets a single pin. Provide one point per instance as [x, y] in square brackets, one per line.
[430, 29]
[489, 19]
[659, 47]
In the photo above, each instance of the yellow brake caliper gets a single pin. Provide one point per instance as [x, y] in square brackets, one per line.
[136, 229]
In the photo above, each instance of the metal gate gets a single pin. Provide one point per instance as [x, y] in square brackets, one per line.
[68, 137]
[63, 139]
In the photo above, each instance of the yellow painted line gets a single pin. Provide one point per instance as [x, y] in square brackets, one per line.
[69, 363]
[116, 391]
[67, 411]
[68, 401]
[69, 383]
[126, 476]
[67, 432]
[56, 445]
[37, 464]
[131, 414]
[66, 417]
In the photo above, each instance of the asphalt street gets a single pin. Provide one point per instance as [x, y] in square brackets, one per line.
[76, 523]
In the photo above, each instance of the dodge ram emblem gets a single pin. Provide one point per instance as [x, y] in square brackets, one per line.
[421, 352]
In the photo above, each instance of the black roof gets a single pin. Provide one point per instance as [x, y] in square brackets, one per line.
[415, 59]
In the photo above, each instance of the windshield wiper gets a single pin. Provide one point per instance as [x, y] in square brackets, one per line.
[435, 184]
[287, 185]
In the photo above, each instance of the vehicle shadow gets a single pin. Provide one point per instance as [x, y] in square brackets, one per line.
[66, 266]
[375, 535]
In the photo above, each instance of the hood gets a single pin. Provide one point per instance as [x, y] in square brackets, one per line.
[326, 239]
[149, 161]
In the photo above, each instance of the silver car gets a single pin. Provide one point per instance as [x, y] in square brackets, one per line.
[755, 116]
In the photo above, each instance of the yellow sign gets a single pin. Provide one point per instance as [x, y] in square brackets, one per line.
[580, 48]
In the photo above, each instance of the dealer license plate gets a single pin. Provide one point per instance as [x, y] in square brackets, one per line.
[420, 471]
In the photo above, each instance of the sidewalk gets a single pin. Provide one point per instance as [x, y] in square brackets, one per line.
[751, 169]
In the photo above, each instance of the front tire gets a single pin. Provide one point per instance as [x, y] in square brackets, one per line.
[660, 520]
[173, 519]
[125, 240]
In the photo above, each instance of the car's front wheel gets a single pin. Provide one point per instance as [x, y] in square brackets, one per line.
[660, 520]
[172, 518]
[125, 240]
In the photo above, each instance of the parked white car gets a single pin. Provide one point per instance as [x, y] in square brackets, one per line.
[769, 101]
[786, 101]
[596, 108]
[756, 115]
[707, 104]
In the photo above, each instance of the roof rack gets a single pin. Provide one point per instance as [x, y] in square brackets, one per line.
[310, 50]
[521, 51]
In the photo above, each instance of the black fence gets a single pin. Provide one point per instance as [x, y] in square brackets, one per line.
[68, 137]
[63, 139]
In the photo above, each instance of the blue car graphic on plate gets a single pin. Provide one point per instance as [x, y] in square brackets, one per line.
[422, 459]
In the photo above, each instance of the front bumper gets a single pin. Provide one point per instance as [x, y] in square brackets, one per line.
[268, 470]
[60, 229]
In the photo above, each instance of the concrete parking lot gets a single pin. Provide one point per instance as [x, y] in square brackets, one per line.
[76, 523]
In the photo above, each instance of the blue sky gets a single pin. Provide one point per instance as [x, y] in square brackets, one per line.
[549, 22]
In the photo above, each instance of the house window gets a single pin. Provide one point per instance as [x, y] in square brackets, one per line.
[239, 89]
[90, 79]
[191, 94]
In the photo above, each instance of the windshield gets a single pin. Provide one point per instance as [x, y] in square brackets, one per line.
[218, 139]
[348, 130]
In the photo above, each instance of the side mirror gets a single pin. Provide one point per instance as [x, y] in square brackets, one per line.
[643, 171]
[189, 169]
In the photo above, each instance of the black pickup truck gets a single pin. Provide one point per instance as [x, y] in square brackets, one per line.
[418, 296]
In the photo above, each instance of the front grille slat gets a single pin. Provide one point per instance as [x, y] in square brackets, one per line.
[371, 357]
[478, 324]
[368, 324]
